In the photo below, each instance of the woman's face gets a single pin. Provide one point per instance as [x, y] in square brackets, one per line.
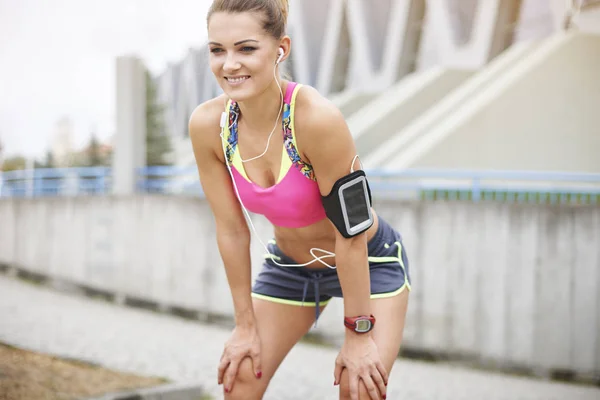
[242, 54]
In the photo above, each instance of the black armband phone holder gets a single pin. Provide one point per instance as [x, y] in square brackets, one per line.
[348, 205]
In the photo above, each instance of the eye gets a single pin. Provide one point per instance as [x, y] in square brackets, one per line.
[248, 49]
[216, 50]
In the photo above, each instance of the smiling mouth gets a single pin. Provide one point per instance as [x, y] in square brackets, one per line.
[237, 79]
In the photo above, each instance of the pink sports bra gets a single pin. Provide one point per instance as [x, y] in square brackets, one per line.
[294, 200]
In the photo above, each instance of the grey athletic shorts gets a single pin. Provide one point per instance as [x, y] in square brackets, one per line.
[301, 286]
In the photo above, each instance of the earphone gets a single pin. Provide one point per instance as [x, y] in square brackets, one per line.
[223, 124]
[281, 52]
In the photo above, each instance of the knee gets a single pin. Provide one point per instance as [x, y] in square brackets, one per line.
[363, 394]
[345, 392]
[246, 386]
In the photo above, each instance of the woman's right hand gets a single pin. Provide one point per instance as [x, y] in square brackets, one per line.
[244, 342]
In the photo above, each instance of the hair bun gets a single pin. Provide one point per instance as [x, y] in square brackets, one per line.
[285, 7]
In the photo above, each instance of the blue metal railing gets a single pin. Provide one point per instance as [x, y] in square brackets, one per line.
[420, 183]
[476, 185]
[168, 179]
[55, 182]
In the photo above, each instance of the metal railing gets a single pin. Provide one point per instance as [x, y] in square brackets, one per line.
[55, 182]
[478, 185]
[418, 183]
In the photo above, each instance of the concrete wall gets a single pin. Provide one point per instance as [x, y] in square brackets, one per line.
[362, 47]
[505, 283]
[588, 19]
[538, 114]
[377, 121]
[350, 102]
[401, 141]
[366, 45]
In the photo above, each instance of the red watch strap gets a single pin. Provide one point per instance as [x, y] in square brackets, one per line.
[350, 322]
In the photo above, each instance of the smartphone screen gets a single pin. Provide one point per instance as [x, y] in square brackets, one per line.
[357, 206]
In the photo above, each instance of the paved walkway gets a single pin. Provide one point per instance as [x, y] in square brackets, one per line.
[41, 319]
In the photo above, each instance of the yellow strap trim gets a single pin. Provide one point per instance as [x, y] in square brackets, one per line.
[236, 159]
[286, 164]
[237, 163]
[289, 302]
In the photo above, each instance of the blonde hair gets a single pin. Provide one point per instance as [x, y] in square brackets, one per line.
[275, 12]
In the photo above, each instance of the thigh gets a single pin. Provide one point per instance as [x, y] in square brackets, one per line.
[389, 329]
[280, 327]
[390, 313]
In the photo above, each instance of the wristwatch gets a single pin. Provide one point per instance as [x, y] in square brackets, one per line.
[360, 324]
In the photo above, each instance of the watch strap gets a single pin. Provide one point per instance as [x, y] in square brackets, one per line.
[361, 323]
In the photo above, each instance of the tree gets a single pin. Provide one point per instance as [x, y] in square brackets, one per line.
[14, 163]
[158, 144]
[49, 161]
[94, 153]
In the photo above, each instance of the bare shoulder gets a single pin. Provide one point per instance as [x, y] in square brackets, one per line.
[204, 124]
[318, 123]
[315, 111]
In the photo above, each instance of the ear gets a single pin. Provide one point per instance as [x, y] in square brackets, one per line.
[284, 45]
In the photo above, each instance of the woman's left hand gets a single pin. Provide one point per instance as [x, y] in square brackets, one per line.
[359, 355]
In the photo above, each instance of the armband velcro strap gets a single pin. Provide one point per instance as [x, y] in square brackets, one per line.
[348, 205]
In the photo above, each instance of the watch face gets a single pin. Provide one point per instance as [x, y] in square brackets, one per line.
[363, 325]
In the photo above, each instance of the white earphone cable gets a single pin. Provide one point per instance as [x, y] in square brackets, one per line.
[274, 126]
[327, 253]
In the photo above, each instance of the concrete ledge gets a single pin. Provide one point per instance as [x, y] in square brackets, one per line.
[182, 391]
[112, 247]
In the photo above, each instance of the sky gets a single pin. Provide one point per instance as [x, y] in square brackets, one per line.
[57, 59]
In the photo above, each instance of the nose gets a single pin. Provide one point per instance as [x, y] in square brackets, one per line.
[231, 63]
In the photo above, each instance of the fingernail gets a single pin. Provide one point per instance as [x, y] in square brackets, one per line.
[335, 383]
[259, 374]
[226, 390]
[384, 397]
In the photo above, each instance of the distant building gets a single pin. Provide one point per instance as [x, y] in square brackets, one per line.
[84, 156]
[62, 145]
[354, 51]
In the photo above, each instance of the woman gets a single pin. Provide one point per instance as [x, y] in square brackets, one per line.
[279, 149]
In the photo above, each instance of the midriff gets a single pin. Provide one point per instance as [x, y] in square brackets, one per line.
[297, 242]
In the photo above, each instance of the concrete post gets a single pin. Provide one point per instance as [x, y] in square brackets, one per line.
[30, 177]
[130, 139]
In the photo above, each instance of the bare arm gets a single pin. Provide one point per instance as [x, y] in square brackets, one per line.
[233, 236]
[328, 145]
